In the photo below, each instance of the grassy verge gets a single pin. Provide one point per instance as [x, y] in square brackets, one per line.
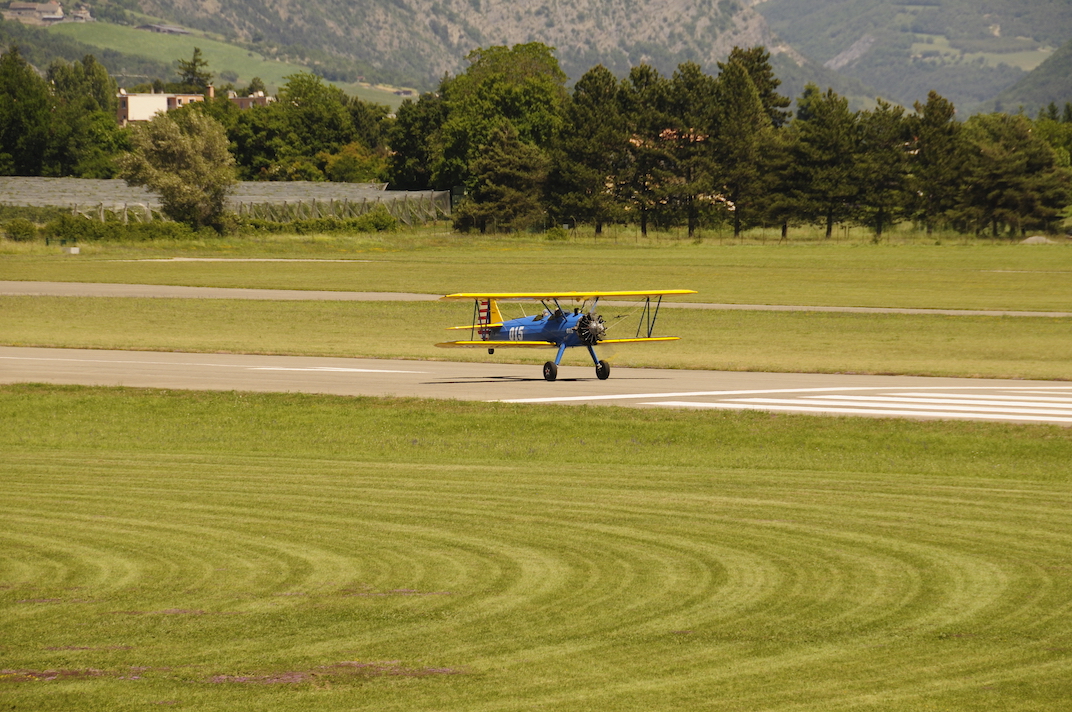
[225, 551]
[972, 275]
[996, 347]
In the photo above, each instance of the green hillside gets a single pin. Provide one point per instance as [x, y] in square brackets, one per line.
[228, 62]
[967, 51]
[1051, 81]
[40, 47]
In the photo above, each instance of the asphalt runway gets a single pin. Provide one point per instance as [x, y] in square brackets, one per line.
[831, 394]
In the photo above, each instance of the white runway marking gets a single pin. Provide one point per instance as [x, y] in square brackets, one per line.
[1055, 407]
[728, 405]
[701, 394]
[1050, 404]
[692, 394]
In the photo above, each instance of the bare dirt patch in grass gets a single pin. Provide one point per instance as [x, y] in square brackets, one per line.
[336, 672]
[48, 675]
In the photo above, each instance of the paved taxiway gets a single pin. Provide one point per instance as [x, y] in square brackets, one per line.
[835, 394]
[143, 291]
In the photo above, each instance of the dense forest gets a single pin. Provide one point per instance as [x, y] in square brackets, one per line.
[690, 149]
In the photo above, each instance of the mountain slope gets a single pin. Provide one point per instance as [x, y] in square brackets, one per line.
[967, 50]
[1050, 81]
[426, 38]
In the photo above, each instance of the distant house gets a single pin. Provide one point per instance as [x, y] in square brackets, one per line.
[82, 14]
[257, 98]
[143, 107]
[35, 13]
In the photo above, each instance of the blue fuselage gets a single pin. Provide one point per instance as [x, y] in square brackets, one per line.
[557, 327]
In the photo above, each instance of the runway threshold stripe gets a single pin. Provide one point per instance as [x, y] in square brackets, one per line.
[1058, 397]
[957, 399]
[859, 411]
[879, 403]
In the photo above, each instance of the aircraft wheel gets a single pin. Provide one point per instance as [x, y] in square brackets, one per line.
[602, 370]
[550, 371]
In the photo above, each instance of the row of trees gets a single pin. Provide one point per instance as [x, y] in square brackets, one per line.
[690, 149]
[699, 150]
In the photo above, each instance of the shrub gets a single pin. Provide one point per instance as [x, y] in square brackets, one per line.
[80, 229]
[20, 230]
[39, 215]
[376, 220]
[182, 156]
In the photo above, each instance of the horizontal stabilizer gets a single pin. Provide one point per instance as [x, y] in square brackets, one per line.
[473, 326]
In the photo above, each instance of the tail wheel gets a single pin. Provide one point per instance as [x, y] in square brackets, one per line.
[550, 371]
[602, 370]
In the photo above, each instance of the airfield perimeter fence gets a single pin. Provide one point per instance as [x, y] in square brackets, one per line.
[102, 199]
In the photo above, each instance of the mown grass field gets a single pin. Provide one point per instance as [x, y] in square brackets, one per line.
[231, 551]
[245, 552]
[972, 275]
[815, 342]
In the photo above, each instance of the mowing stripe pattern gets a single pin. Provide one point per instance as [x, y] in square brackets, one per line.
[251, 583]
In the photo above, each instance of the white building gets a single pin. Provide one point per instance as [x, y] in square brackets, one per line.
[143, 107]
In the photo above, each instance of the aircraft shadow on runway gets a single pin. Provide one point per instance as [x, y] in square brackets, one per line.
[515, 379]
[496, 379]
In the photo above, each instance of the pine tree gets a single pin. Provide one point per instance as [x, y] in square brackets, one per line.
[756, 60]
[691, 134]
[937, 157]
[648, 175]
[590, 153]
[1012, 178]
[507, 184]
[882, 167]
[742, 143]
[824, 156]
[193, 72]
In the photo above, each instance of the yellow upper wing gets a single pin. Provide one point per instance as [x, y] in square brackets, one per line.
[574, 296]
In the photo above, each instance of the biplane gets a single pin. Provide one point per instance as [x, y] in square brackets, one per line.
[565, 320]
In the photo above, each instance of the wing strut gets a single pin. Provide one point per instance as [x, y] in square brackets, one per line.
[648, 316]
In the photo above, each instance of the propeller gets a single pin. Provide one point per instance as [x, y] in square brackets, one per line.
[591, 328]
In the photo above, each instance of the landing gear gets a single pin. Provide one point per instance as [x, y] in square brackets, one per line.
[602, 370]
[550, 371]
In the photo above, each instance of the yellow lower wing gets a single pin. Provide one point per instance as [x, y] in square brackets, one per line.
[575, 296]
[498, 345]
[638, 339]
[541, 344]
